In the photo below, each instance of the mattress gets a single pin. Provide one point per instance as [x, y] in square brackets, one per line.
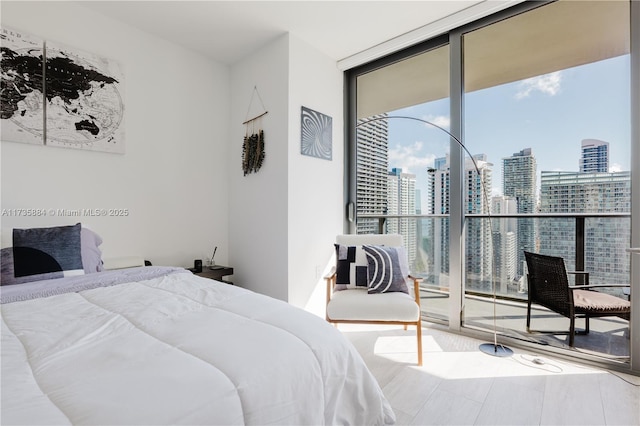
[162, 346]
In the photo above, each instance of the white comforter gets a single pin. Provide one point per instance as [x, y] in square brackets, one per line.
[179, 349]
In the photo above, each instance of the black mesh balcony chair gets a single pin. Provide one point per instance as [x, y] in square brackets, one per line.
[549, 287]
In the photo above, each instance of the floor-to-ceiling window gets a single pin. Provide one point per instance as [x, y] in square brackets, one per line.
[543, 99]
[401, 164]
[557, 134]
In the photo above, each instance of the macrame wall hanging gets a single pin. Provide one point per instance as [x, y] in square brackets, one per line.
[253, 145]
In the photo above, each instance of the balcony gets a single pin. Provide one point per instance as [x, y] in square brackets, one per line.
[493, 253]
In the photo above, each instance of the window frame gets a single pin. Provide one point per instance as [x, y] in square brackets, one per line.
[457, 215]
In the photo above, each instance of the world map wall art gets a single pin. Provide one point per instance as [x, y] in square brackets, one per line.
[56, 95]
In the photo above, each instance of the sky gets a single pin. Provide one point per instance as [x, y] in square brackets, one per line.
[551, 114]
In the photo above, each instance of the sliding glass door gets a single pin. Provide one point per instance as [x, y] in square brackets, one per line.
[540, 96]
[547, 98]
[401, 186]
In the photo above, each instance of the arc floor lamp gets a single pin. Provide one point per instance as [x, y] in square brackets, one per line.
[494, 348]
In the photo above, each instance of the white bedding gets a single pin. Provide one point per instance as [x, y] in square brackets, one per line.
[179, 349]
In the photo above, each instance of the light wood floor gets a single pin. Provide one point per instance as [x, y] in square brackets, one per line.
[459, 385]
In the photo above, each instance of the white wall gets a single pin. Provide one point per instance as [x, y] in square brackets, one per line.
[315, 185]
[181, 177]
[283, 219]
[258, 202]
[173, 176]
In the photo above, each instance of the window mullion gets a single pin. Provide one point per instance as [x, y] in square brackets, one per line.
[456, 215]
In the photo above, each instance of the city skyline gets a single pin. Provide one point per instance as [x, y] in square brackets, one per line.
[531, 113]
[588, 190]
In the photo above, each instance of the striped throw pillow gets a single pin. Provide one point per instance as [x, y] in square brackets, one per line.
[388, 269]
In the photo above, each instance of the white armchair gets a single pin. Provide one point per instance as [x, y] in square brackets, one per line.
[357, 304]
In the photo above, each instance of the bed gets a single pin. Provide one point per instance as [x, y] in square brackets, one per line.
[159, 345]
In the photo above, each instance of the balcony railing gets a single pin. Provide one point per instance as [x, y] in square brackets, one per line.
[494, 246]
[494, 261]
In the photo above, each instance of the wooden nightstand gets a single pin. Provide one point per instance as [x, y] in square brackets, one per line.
[216, 273]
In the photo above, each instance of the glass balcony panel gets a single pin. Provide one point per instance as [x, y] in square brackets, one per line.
[491, 259]
[516, 126]
[606, 260]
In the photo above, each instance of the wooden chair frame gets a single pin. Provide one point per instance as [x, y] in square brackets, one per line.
[331, 282]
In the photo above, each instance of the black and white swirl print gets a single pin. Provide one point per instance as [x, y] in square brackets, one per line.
[316, 139]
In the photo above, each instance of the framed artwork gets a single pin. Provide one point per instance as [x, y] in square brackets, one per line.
[84, 97]
[316, 134]
[21, 109]
[73, 100]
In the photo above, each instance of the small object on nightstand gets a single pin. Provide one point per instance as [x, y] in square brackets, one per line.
[212, 262]
[216, 272]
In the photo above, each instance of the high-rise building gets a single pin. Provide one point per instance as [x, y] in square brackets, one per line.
[439, 204]
[478, 257]
[478, 235]
[606, 239]
[401, 200]
[372, 165]
[441, 162]
[595, 156]
[505, 243]
[519, 182]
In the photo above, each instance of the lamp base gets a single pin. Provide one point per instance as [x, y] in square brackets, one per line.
[495, 350]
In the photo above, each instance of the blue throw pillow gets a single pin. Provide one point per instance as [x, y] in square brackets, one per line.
[388, 269]
[8, 276]
[38, 251]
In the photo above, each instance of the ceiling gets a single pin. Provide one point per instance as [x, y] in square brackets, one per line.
[227, 31]
[554, 37]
